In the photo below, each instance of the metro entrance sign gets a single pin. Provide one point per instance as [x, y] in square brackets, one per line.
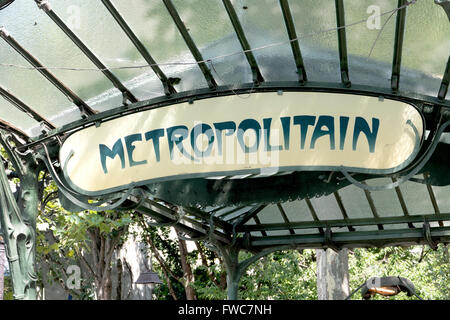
[262, 134]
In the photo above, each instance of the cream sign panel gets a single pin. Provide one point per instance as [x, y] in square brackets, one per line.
[261, 133]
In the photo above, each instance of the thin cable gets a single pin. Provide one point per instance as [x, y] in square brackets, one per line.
[214, 58]
[411, 290]
[379, 34]
[232, 90]
[354, 291]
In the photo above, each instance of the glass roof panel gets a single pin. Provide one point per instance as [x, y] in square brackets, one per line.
[34, 90]
[270, 214]
[442, 194]
[417, 198]
[263, 24]
[355, 202]
[306, 231]
[224, 210]
[297, 211]
[370, 40]
[356, 205]
[315, 21]
[327, 208]
[278, 233]
[366, 228]
[95, 26]
[395, 226]
[385, 201]
[153, 25]
[426, 48]
[39, 35]
[16, 117]
[213, 33]
[237, 213]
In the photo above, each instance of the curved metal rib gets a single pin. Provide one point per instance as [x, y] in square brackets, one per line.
[398, 45]
[80, 44]
[68, 192]
[168, 88]
[421, 162]
[190, 43]
[22, 106]
[257, 77]
[342, 42]
[445, 82]
[294, 41]
[84, 108]
[9, 127]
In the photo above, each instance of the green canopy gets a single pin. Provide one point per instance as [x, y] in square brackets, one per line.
[69, 64]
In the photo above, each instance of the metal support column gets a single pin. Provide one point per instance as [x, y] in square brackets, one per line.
[236, 269]
[231, 261]
[18, 213]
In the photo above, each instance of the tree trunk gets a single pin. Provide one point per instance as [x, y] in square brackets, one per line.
[119, 279]
[187, 270]
[102, 250]
[332, 274]
[105, 283]
[2, 267]
[105, 292]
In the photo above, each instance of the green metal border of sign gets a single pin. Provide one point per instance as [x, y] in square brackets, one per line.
[156, 104]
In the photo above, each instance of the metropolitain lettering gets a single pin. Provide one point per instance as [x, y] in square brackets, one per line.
[183, 140]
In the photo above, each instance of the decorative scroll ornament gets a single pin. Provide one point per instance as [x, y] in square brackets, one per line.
[18, 218]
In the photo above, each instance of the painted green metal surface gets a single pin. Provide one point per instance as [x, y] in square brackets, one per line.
[398, 45]
[297, 195]
[342, 42]
[18, 219]
[410, 97]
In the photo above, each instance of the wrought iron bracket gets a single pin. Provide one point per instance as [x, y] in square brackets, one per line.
[256, 76]
[427, 235]
[44, 5]
[72, 195]
[416, 167]
[207, 236]
[328, 240]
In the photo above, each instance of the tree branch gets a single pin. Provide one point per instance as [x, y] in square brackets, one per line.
[205, 263]
[158, 256]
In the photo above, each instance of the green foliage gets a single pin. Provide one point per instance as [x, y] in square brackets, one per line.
[71, 228]
[168, 248]
[63, 236]
[291, 275]
[7, 289]
[280, 275]
[286, 275]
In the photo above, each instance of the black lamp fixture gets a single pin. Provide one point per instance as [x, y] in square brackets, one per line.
[148, 277]
[386, 286]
